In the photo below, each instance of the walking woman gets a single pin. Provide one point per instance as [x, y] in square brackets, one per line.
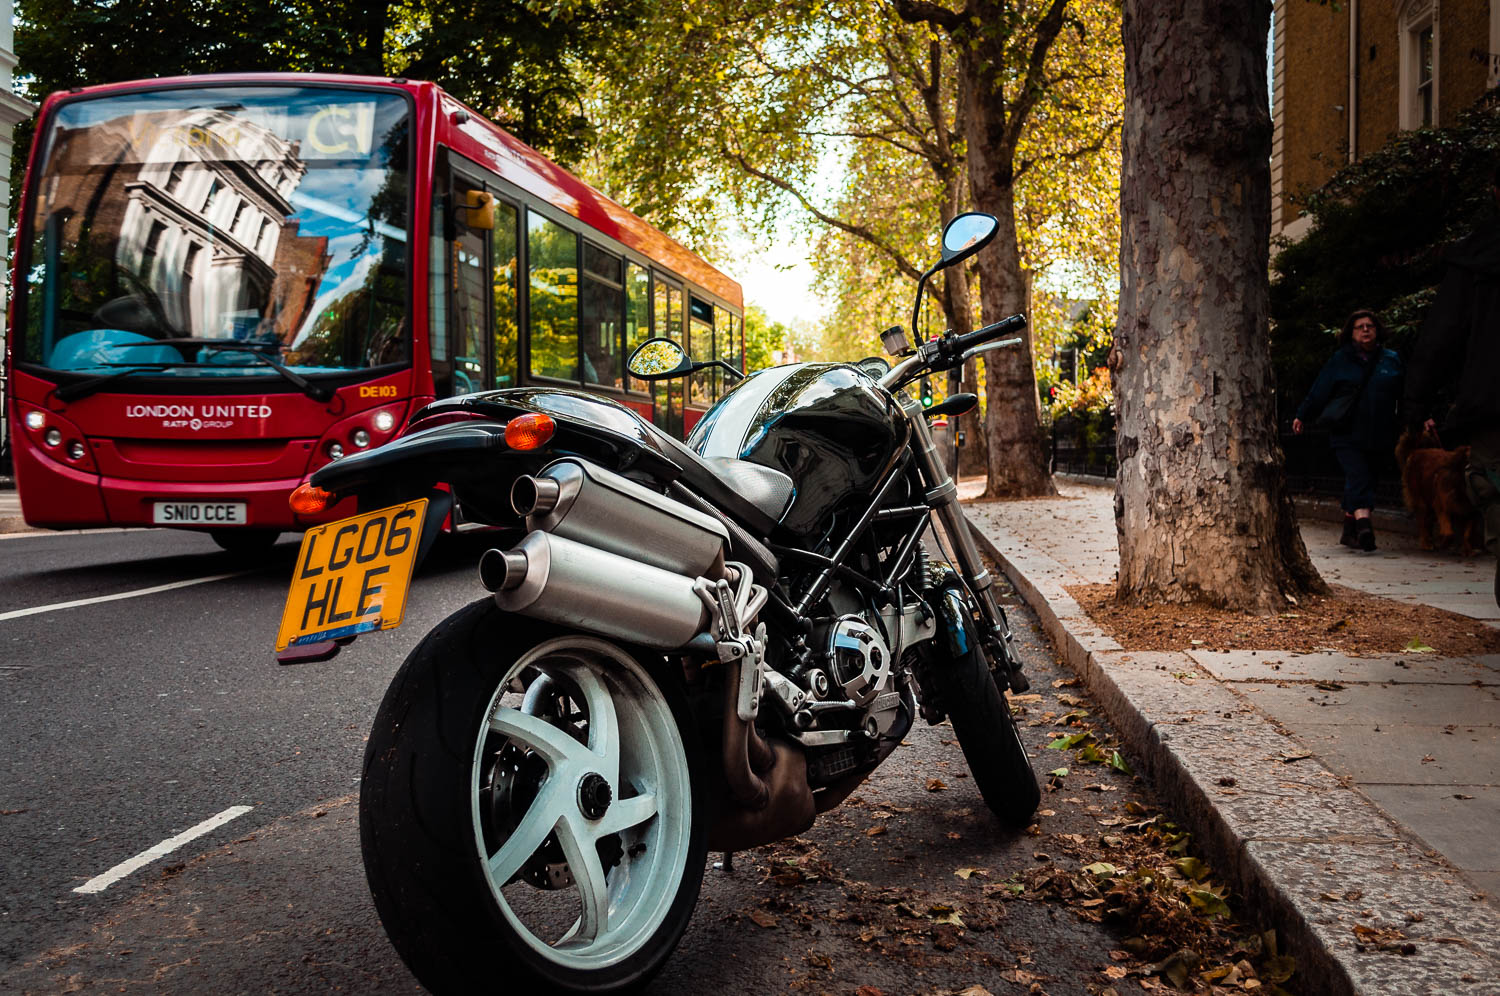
[1354, 399]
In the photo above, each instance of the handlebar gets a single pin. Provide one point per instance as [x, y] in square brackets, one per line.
[963, 343]
[950, 351]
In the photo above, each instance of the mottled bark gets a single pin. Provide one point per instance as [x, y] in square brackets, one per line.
[1201, 506]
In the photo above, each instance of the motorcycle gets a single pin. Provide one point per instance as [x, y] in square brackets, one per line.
[685, 647]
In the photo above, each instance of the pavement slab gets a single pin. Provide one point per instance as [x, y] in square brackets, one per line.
[1264, 665]
[1343, 792]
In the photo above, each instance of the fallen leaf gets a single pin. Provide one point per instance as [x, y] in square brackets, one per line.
[1460, 795]
[1191, 868]
[1071, 740]
[1428, 759]
[1100, 788]
[1211, 903]
[968, 873]
[1292, 757]
[1416, 646]
[1101, 869]
[875, 831]
[1117, 761]
[869, 991]
[762, 918]
[1115, 972]
[1057, 773]
[1329, 686]
[935, 785]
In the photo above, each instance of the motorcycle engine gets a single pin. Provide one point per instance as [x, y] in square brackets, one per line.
[859, 660]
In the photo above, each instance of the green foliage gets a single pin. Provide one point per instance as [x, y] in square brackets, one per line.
[516, 61]
[1379, 229]
[762, 338]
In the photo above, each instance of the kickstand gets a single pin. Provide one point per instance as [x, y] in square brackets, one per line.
[727, 865]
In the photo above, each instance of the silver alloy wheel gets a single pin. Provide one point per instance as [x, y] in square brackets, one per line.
[624, 736]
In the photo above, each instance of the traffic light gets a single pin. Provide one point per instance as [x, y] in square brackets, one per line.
[926, 392]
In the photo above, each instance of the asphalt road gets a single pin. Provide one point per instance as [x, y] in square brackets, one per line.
[129, 721]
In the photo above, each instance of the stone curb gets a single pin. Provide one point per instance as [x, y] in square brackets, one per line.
[1305, 849]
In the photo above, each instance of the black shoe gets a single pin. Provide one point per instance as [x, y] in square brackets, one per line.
[1348, 538]
[1366, 533]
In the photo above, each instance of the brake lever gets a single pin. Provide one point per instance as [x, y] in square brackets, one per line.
[997, 344]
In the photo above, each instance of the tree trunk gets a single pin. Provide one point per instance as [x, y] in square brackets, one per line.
[1201, 506]
[1017, 456]
[959, 312]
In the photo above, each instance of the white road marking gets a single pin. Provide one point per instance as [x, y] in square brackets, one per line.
[78, 603]
[101, 882]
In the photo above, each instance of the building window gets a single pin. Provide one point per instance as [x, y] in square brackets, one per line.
[1420, 39]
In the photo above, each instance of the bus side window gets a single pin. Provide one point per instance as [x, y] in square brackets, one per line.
[723, 349]
[637, 314]
[505, 260]
[552, 298]
[701, 338]
[603, 302]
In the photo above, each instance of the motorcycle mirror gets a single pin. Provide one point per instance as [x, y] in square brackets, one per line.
[658, 358]
[966, 235]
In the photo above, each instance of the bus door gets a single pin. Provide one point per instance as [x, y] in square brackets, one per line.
[669, 394]
[479, 299]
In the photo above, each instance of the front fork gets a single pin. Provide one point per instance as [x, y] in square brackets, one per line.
[942, 497]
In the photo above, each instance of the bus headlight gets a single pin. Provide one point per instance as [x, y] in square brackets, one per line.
[384, 421]
[335, 451]
[53, 437]
[361, 438]
[75, 450]
[35, 421]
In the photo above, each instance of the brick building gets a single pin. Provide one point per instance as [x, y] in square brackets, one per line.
[1347, 76]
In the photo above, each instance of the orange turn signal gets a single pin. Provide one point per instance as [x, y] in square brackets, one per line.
[528, 432]
[308, 500]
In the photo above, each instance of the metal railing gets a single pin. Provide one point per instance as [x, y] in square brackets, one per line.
[1311, 469]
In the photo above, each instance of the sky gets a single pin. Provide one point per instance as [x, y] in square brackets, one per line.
[776, 275]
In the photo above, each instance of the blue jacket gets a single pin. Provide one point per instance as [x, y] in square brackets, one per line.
[1374, 423]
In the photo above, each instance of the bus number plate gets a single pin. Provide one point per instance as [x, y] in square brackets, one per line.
[199, 513]
[352, 576]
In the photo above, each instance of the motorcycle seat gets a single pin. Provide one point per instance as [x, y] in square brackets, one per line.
[756, 495]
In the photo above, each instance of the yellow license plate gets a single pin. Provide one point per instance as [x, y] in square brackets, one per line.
[352, 576]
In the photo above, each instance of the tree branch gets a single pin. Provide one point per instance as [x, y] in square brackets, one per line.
[920, 11]
[858, 231]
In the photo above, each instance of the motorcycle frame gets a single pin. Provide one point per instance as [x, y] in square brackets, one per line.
[940, 497]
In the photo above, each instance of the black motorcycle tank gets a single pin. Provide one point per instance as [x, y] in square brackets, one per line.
[828, 426]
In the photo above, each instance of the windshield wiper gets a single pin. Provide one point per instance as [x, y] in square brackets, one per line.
[315, 391]
[83, 388]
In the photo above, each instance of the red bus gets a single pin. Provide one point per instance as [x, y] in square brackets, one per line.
[225, 282]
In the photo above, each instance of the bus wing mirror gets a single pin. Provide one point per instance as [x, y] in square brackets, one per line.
[658, 358]
[479, 210]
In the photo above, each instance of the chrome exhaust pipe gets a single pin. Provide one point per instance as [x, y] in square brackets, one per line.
[576, 500]
[553, 578]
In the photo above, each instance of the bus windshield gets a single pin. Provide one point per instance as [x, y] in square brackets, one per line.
[244, 231]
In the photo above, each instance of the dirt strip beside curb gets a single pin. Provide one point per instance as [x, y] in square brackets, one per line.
[1310, 853]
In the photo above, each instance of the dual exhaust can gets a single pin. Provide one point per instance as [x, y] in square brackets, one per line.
[608, 556]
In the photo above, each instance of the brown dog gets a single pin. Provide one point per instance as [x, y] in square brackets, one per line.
[1432, 482]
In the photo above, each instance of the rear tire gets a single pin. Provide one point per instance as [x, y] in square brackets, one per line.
[497, 858]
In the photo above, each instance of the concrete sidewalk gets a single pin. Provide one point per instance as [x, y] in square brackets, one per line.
[10, 511]
[1346, 794]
